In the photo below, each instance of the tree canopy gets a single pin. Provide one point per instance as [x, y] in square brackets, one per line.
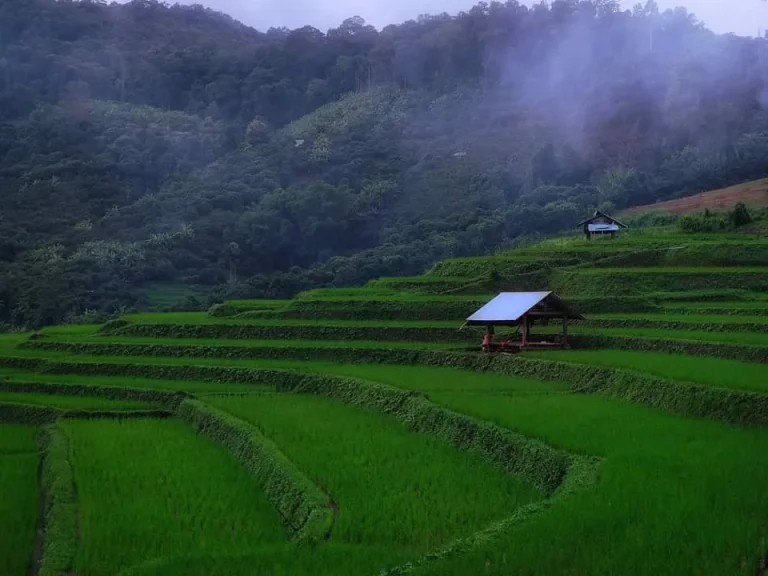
[143, 144]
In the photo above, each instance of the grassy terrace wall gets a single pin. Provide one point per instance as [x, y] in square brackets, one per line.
[524, 262]
[688, 347]
[14, 413]
[314, 332]
[304, 509]
[235, 307]
[59, 504]
[425, 284]
[691, 255]
[505, 267]
[755, 327]
[381, 310]
[724, 311]
[628, 282]
[169, 400]
[35, 415]
[427, 310]
[736, 407]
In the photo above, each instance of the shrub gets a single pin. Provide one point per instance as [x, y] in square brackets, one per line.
[739, 216]
[701, 223]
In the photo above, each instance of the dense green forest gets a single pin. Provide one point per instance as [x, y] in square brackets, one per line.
[146, 147]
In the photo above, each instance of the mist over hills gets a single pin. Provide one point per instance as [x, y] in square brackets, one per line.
[145, 146]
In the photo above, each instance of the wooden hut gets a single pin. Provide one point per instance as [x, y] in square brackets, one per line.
[523, 310]
[600, 224]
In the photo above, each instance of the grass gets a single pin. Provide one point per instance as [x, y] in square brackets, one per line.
[393, 488]
[74, 402]
[142, 499]
[18, 510]
[708, 371]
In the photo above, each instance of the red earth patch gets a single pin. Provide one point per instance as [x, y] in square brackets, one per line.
[753, 194]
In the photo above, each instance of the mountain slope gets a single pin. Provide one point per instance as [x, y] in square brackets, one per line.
[144, 145]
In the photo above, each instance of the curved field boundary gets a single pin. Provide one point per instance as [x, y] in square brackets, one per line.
[169, 400]
[740, 352]
[555, 472]
[61, 536]
[533, 461]
[582, 473]
[756, 327]
[732, 406]
[302, 506]
[294, 332]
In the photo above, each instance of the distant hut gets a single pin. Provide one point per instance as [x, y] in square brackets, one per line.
[522, 310]
[599, 225]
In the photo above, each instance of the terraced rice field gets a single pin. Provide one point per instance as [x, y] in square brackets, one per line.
[358, 431]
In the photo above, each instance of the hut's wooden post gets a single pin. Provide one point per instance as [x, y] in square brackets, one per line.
[525, 330]
[565, 330]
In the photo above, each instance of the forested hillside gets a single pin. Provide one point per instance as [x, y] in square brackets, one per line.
[146, 147]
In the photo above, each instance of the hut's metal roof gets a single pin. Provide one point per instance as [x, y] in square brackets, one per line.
[510, 307]
[599, 214]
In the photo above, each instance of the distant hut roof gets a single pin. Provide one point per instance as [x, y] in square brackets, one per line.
[508, 308]
[600, 215]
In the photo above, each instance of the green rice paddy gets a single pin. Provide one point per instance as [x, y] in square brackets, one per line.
[164, 496]
[18, 510]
